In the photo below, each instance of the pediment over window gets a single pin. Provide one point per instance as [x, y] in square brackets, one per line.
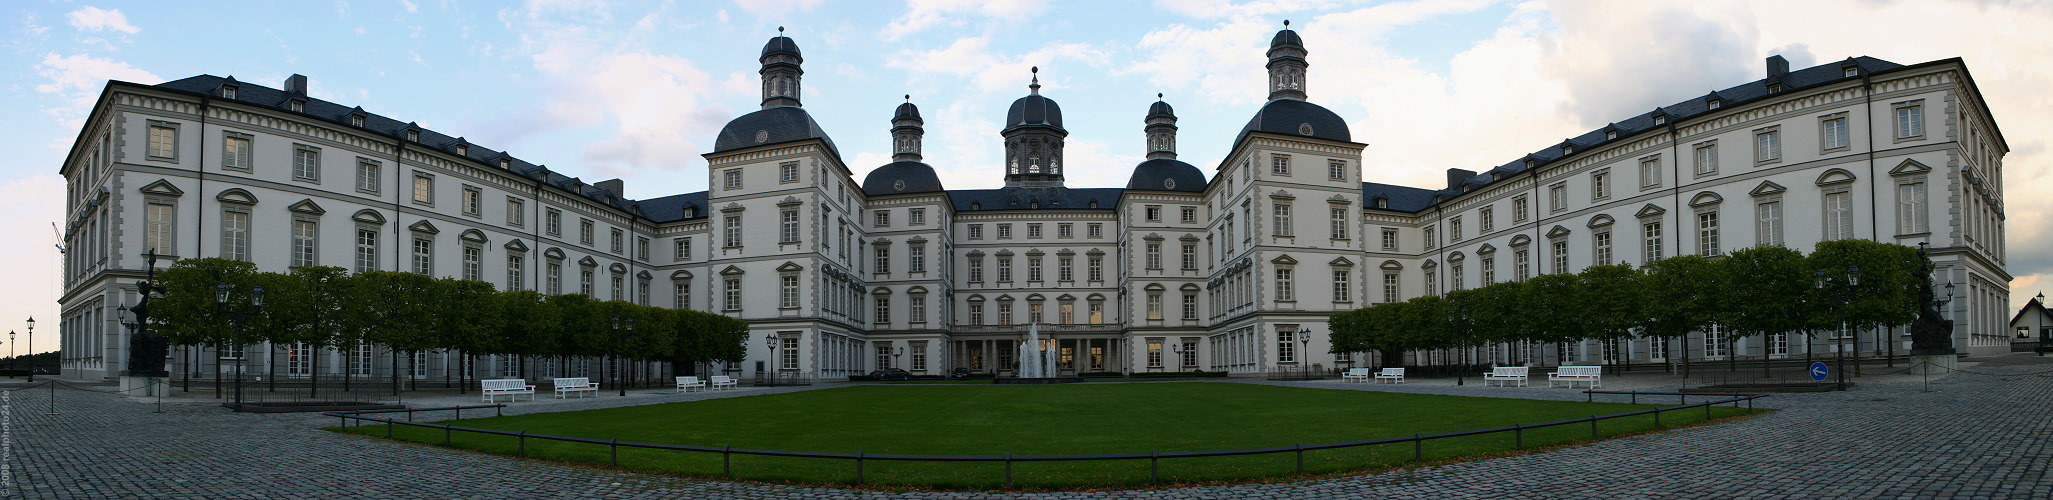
[644, 276]
[617, 268]
[1650, 210]
[1152, 237]
[553, 253]
[1034, 252]
[976, 254]
[1341, 262]
[516, 246]
[881, 291]
[1005, 298]
[1190, 287]
[1486, 249]
[1096, 297]
[1601, 220]
[1557, 232]
[587, 261]
[1283, 259]
[916, 240]
[729, 271]
[1282, 195]
[1035, 297]
[424, 227]
[1005, 253]
[1705, 198]
[1521, 240]
[916, 290]
[307, 206]
[1187, 237]
[680, 276]
[1429, 264]
[790, 267]
[1456, 257]
[789, 201]
[1908, 167]
[1767, 188]
[882, 242]
[732, 207]
[976, 298]
[368, 216]
[1155, 287]
[162, 188]
[1095, 252]
[1392, 265]
[1339, 198]
[236, 195]
[1065, 252]
[473, 235]
[1835, 176]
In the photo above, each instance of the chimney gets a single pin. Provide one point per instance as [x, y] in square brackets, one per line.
[296, 85]
[1777, 66]
[611, 186]
[1455, 176]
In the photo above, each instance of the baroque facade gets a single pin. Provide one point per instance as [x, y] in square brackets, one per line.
[1176, 271]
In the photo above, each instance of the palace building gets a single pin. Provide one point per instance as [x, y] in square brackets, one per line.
[1177, 270]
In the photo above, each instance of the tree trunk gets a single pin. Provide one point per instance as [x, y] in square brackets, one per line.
[191, 359]
[271, 359]
[217, 372]
[1684, 340]
[446, 370]
[395, 371]
[314, 373]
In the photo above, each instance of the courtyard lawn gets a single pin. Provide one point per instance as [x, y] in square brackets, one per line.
[1043, 419]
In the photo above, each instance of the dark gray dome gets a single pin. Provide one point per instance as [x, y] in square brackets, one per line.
[1162, 174]
[771, 126]
[902, 177]
[905, 111]
[1285, 37]
[1034, 110]
[1297, 118]
[781, 45]
[1161, 109]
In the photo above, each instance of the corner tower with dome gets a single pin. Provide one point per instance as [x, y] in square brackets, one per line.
[1177, 270]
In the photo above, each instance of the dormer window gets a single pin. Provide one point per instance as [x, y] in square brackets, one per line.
[1529, 163]
[1382, 203]
[1567, 149]
[298, 107]
[1713, 104]
[1660, 120]
[1773, 88]
[690, 212]
[505, 163]
[413, 136]
[1610, 135]
[227, 92]
[1853, 71]
[356, 120]
[462, 150]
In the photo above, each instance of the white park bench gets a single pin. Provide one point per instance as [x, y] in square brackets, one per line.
[565, 386]
[686, 384]
[1505, 375]
[1355, 375]
[724, 382]
[510, 387]
[1394, 375]
[1572, 374]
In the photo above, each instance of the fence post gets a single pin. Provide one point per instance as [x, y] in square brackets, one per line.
[388, 426]
[858, 467]
[1707, 412]
[1154, 466]
[1418, 447]
[1635, 396]
[1518, 431]
[499, 410]
[445, 434]
[1589, 396]
[459, 413]
[523, 443]
[726, 465]
[616, 451]
[1300, 458]
[1008, 469]
[1657, 416]
[1593, 426]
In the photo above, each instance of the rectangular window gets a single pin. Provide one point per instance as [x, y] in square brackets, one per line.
[1707, 234]
[366, 250]
[1280, 215]
[1454, 229]
[787, 227]
[472, 205]
[1065, 268]
[303, 234]
[787, 172]
[680, 249]
[1097, 268]
[1189, 215]
[976, 313]
[1910, 208]
[1340, 287]
[1769, 217]
[1455, 280]
[163, 141]
[1600, 184]
[1832, 132]
[552, 221]
[1190, 307]
[1065, 230]
[1651, 233]
[1767, 145]
[1487, 218]
[516, 212]
[1004, 231]
[1838, 216]
[1389, 287]
[1005, 313]
[731, 178]
[1190, 256]
[916, 258]
[1339, 222]
[1602, 242]
[1279, 164]
[1432, 240]
[1518, 209]
[236, 151]
[1910, 121]
[1284, 290]
[976, 269]
[1557, 197]
[1650, 173]
[424, 256]
[1390, 239]
[790, 353]
[423, 189]
[1522, 264]
[1286, 343]
[367, 176]
[1097, 230]
[916, 217]
[883, 259]
[976, 231]
[1154, 213]
[235, 233]
[1033, 231]
[1004, 269]
[553, 273]
[881, 218]
[1155, 306]
[1155, 352]
[730, 294]
[732, 228]
[306, 163]
[613, 240]
[1154, 254]
[916, 308]
[787, 291]
[1707, 158]
[641, 248]
[158, 223]
[1560, 257]
[1336, 170]
[471, 256]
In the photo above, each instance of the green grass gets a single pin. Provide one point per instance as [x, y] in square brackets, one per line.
[1029, 420]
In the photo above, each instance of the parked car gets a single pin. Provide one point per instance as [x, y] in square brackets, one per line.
[958, 372]
[891, 374]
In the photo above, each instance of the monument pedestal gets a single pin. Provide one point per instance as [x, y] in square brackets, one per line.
[145, 385]
[1934, 364]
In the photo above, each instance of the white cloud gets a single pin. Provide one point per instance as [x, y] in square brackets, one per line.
[991, 71]
[96, 19]
[923, 14]
[33, 201]
[774, 8]
[411, 8]
[77, 80]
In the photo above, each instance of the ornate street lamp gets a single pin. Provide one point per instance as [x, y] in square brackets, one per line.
[770, 339]
[237, 317]
[1304, 357]
[32, 349]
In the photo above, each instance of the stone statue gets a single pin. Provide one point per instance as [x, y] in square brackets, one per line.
[146, 349]
[1930, 333]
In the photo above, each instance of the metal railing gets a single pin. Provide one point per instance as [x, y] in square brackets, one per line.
[1154, 457]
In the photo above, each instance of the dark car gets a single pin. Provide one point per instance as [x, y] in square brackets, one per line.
[891, 374]
[958, 372]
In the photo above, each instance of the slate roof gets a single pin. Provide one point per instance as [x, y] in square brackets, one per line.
[1034, 109]
[906, 110]
[671, 208]
[772, 126]
[1287, 116]
[1162, 174]
[1402, 198]
[781, 44]
[1161, 109]
[1019, 198]
[918, 178]
[1286, 37]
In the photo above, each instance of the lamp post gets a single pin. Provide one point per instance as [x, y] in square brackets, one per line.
[1177, 348]
[32, 349]
[1853, 279]
[770, 339]
[1304, 356]
[1457, 319]
[621, 327]
[238, 317]
[10, 346]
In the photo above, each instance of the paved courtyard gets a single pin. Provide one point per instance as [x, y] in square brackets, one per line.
[1981, 433]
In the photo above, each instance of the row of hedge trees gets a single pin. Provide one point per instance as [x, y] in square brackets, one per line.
[1751, 292]
[407, 312]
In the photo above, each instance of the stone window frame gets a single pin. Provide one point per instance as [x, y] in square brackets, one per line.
[1846, 126]
[1906, 177]
[1650, 182]
[415, 193]
[516, 211]
[1279, 164]
[473, 202]
[1600, 184]
[552, 221]
[372, 166]
[787, 172]
[730, 179]
[299, 149]
[1896, 132]
[150, 151]
[1702, 168]
[1775, 153]
[247, 159]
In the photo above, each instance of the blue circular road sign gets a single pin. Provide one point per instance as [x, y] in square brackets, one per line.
[1819, 371]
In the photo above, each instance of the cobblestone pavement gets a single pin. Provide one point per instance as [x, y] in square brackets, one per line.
[1981, 433]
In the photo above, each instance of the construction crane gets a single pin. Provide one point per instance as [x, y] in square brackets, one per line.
[57, 236]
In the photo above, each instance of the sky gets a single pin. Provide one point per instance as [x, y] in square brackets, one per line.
[604, 89]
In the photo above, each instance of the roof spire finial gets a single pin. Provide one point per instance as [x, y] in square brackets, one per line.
[1158, 96]
[908, 98]
[1286, 25]
[1035, 88]
[780, 29]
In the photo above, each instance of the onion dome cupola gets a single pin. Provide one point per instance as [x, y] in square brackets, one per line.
[1033, 140]
[905, 174]
[1287, 65]
[780, 71]
[1162, 171]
